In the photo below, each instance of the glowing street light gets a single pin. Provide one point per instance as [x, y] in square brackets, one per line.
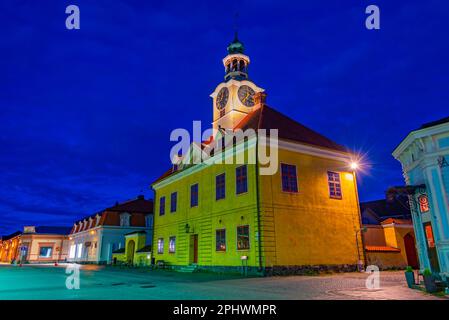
[354, 165]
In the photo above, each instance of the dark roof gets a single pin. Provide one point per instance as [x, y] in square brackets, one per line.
[53, 230]
[398, 208]
[140, 205]
[12, 235]
[121, 250]
[266, 117]
[147, 248]
[236, 46]
[137, 205]
[434, 123]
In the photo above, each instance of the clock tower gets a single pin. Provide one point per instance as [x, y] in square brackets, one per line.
[233, 99]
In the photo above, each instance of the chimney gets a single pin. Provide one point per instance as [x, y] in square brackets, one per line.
[259, 99]
[141, 197]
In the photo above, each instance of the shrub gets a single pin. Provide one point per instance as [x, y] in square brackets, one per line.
[427, 272]
[409, 269]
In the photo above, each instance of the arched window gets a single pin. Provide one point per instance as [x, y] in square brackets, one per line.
[242, 66]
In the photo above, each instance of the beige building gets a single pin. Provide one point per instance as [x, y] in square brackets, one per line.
[36, 245]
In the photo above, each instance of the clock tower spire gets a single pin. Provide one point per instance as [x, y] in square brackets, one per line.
[233, 99]
[236, 62]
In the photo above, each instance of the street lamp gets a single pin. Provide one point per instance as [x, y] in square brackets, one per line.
[354, 165]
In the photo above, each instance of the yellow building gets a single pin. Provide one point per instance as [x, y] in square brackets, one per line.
[136, 251]
[292, 208]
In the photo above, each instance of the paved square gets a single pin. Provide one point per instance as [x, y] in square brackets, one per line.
[99, 282]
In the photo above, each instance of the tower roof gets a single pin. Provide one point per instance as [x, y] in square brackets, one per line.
[236, 46]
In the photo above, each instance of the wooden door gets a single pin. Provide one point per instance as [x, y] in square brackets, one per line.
[410, 250]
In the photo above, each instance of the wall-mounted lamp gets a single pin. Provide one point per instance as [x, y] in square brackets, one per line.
[188, 228]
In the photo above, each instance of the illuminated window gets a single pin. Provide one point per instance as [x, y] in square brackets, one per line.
[79, 250]
[423, 201]
[333, 179]
[194, 195]
[242, 237]
[429, 236]
[72, 251]
[173, 201]
[161, 206]
[45, 252]
[220, 240]
[241, 179]
[289, 179]
[172, 244]
[160, 245]
[220, 186]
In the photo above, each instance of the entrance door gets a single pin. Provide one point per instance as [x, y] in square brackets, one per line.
[431, 249]
[195, 248]
[410, 250]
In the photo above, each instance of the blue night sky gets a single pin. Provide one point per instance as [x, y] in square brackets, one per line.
[86, 114]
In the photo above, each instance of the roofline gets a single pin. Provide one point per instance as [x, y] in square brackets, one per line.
[417, 134]
[285, 144]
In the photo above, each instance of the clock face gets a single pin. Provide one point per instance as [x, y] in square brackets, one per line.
[222, 98]
[246, 95]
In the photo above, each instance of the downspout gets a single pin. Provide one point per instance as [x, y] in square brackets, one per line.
[261, 268]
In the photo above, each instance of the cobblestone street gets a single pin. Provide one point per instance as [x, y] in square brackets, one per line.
[48, 282]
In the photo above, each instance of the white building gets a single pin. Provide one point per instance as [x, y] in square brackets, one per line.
[424, 155]
[94, 238]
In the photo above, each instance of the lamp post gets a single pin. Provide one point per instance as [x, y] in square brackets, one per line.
[354, 166]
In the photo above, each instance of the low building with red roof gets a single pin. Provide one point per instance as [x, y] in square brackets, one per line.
[388, 235]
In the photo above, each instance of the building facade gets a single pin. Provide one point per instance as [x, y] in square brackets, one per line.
[36, 245]
[232, 215]
[424, 155]
[9, 251]
[388, 234]
[136, 252]
[94, 238]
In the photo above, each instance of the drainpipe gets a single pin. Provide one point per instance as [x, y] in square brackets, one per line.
[360, 227]
[261, 268]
